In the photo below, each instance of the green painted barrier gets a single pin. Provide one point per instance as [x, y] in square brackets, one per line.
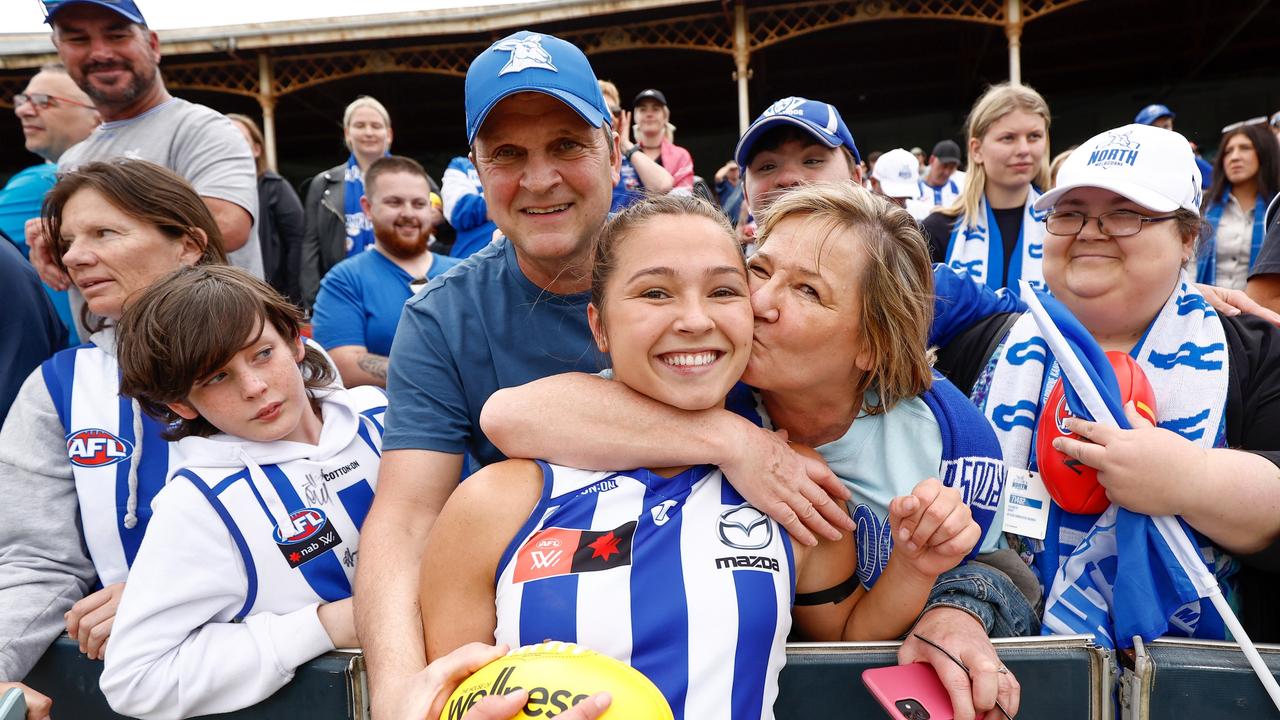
[1061, 678]
[1176, 678]
[331, 687]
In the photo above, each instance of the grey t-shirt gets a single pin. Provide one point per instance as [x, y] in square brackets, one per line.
[194, 141]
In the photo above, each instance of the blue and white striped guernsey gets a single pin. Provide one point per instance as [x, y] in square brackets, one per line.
[299, 512]
[679, 577]
[104, 434]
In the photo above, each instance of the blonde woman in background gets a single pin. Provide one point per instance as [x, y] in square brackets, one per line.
[992, 233]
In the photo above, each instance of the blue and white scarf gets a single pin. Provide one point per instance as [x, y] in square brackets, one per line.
[1087, 589]
[1207, 265]
[359, 227]
[976, 248]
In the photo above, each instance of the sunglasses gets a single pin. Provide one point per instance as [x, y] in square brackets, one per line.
[45, 100]
[1260, 120]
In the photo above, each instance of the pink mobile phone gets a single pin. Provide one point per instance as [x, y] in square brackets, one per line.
[909, 692]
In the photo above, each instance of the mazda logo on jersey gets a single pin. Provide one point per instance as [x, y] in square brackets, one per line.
[745, 528]
[556, 551]
[96, 447]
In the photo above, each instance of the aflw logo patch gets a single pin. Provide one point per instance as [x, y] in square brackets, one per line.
[562, 551]
[96, 447]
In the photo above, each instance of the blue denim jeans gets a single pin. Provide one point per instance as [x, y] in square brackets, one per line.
[988, 594]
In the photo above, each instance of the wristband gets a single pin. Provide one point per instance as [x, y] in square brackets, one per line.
[629, 152]
[835, 595]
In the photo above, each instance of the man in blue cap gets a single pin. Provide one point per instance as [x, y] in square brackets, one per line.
[1162, 117]
[514, 311]
[114, 57]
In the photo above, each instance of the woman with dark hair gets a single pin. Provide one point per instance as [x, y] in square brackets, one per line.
[1246, 176]
[73, 454]
[281, 222]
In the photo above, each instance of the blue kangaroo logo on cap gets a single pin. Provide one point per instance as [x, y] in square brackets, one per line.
[786, 106]
[525, 53]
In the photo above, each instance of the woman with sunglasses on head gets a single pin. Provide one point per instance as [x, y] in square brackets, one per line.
[992, 233]
[641, 175]
[1246, 176]
[1119, 252]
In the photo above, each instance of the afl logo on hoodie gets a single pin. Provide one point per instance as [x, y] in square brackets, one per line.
[312, 535]
[97, 448]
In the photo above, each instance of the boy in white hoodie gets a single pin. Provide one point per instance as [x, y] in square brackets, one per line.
[246, 570]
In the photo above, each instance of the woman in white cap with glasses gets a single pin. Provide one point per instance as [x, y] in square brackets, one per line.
[992, 233]
[1122, 228]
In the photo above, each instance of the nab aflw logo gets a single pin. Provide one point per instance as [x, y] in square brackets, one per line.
[97, 448]
[547, 554]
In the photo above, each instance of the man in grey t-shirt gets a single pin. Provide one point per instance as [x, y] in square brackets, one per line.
[114, 57]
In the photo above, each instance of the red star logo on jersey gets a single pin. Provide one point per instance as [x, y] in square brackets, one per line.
[294, 557]
[605, 545]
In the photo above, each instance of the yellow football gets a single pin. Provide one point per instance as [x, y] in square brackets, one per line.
[558, 676]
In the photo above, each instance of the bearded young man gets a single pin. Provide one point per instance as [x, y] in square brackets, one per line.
[360, 299]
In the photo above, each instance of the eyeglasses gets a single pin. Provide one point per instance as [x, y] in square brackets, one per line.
[45, 100]
[1117, 223]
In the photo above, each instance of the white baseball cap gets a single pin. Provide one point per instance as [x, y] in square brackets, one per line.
[898, 172]
[1151, 166]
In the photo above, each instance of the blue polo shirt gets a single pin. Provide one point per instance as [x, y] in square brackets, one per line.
[361, 298]
[482, 327]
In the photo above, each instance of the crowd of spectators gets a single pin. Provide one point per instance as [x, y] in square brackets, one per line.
[834, 344]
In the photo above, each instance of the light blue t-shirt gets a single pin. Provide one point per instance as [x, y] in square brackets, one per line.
[361, 298]
[481, 327]
[881, 457]
[20, 200]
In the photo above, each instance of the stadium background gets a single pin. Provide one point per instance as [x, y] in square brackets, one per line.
[902, 72]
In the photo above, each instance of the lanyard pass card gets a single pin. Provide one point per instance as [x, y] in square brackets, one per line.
[1027, 510]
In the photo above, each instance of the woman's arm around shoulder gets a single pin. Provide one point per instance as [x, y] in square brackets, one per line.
[460, 561]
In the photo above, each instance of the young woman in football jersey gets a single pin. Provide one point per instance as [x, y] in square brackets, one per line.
[669, 568]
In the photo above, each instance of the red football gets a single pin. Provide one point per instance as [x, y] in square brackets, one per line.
[1072, 484]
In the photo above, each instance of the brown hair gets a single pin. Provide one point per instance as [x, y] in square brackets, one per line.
[392, 164]
[260, 159]
[144, 191]
[1268, 154]
[897, 282]
[193, 322]
[620, 226]
[999, 100]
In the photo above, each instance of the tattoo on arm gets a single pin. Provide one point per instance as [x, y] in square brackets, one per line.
[375, 365]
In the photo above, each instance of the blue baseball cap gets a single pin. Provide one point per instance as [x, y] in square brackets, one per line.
[818, 118]
[124, 8]
[1152, 113]
[532, 62]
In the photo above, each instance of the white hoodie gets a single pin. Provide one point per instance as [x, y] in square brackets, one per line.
[220, 606]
